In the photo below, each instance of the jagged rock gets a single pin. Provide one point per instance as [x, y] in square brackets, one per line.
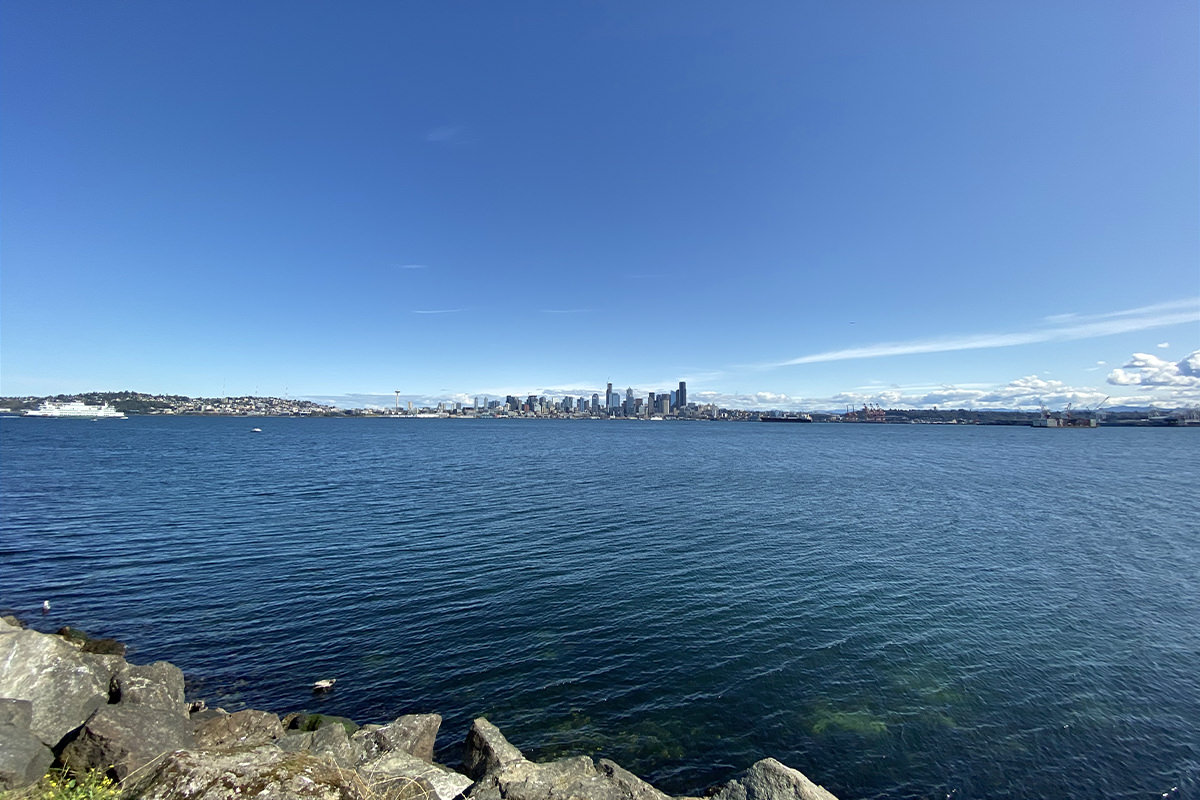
[158, 685]
[121, 739]
[400, 765]
[24, 758]
[12, 621]
[627, 783]
[198, 718]
[314, 722]
[296, 741]
[488, 750]
[265, 773]
[331, 741]
[73, 635]
[502, 773]
[105, 647]
[771, 780]
[63, 685]
[415, 734]
[246, 728]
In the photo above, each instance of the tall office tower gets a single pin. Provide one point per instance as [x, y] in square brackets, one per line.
[608, 398]
[681, 396]
[650, 401]
[674, 400]
[595, 402]
[629, 402]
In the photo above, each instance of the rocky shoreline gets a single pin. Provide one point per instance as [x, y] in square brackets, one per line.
[72, 702]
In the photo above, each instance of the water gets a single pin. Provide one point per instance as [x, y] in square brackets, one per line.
[898, 611]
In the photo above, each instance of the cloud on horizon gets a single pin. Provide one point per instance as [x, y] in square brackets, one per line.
[1144, 369]
[437, 311]
[1065, 327]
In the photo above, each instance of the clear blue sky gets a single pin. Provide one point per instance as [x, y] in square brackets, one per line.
[798, 204]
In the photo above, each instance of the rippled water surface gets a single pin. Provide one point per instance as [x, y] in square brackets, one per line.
[899, 611]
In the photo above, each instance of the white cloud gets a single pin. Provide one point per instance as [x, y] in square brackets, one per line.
[414, 266]
[1144, 369]
[1135, 319]
[437, 311]
[566, 310]
[1163, 345]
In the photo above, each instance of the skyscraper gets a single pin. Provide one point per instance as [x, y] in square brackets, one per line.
[681, 395]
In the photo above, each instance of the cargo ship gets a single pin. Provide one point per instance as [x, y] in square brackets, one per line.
[777, 418]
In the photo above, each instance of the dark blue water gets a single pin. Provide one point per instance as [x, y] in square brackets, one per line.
[898, 611]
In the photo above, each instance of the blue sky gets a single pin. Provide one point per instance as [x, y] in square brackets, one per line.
[787, 204]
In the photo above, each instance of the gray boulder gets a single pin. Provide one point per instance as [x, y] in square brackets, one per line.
[242, 728]
[399, 766]
[488, 750]
[122, 739]
[502, 773]
[332, 742]
[24, 758]
[16, 712]
[63, 685]
[296, 741]
[158, 685]
[414, 734]
[265, 773]
[771, 780]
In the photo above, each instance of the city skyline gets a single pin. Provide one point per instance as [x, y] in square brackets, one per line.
[798, 206]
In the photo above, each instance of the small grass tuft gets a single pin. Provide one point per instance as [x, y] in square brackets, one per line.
[58, 785]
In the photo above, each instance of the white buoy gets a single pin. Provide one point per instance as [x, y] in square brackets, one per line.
[45, 606]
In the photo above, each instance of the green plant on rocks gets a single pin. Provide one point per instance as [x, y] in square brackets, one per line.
[57, 785]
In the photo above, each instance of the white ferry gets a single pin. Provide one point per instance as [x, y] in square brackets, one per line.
[74, 409]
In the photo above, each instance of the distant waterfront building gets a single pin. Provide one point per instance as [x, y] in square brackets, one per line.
[681, 395]
[595, 402]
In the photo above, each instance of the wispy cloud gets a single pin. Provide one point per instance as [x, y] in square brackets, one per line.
[1163, 345]
[566, 310]
[414, 266]
[1068, 328]
[437, 311]
[445, 133]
